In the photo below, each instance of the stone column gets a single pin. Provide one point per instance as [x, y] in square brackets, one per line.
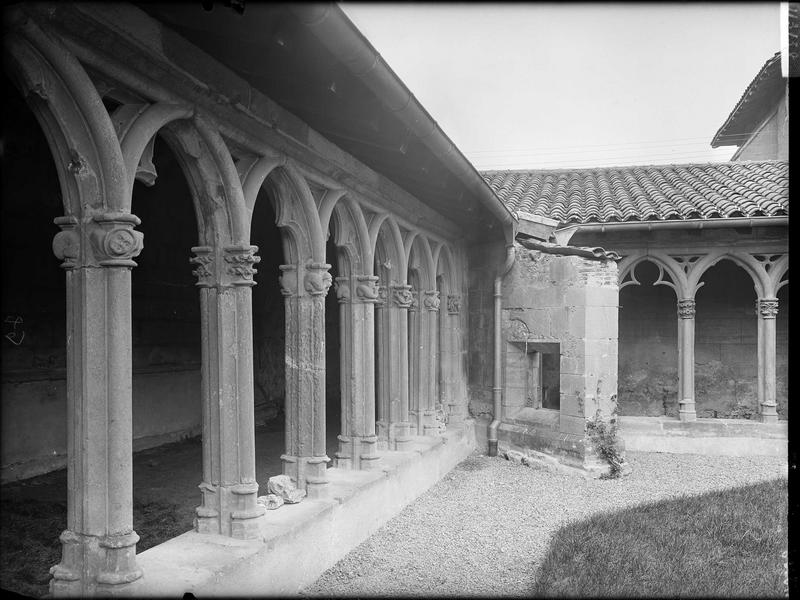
[414, 352]
[229, 487]
[357, 440]
[452, 395]
[382, 391]
[99, 544]
[686, 313]
[428, 363]
[305, 461]
[767, 311]
[398, 305]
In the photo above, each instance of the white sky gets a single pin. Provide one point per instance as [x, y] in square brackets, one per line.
[575, 85]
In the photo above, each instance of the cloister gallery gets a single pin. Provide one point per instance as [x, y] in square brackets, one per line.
[319, 252]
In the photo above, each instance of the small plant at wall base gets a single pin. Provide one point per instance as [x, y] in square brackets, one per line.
[603, 434]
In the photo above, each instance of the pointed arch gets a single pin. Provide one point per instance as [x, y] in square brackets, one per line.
[73, 118]
[757, 273]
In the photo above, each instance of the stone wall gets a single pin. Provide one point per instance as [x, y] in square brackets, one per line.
[568, 305]
[483, 262]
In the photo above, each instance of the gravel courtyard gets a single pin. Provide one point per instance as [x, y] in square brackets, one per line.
[484, 529]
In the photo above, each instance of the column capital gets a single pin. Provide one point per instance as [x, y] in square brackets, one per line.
[233, 267]
[767, 308]
[686, 308]
[453, 304]
[402, 295]
[431, 300]
[316, 280]
[367, 289]
[383, 294]
[106, 240]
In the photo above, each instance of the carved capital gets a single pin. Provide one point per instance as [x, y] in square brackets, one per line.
[686, 308]
[383, 294]
[288, 280]
[67, 242]
[317, 280]
[367, 289]
[240, 261]
[453, 304]
[204, 259]
[107, 240]
[342, 287]
[431, 300]
[402, 296]
[414, 301]
[767, 307]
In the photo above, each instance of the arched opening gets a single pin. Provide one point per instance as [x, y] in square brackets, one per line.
[165, 332]
[726, 344]
[33, 441]
[269, 334]
[648, 346]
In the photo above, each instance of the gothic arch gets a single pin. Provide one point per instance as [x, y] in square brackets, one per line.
[627, 266]
[78, 129]
[759, 276]
[387, 245]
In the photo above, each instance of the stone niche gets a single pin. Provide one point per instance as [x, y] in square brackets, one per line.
[560, 310]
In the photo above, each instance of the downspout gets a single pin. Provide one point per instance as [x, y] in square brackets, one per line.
[497, 387]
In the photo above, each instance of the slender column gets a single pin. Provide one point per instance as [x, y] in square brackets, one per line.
[99, 544]
[428, 361]
[305, 461]
[382, 368]
[767, 311]
[686, 313]
[452, 396]
[229, 487]
[357, 441]
[415, 344]
[398, 306]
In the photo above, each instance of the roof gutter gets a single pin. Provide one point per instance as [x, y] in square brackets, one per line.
[564, 234]
[343, 39]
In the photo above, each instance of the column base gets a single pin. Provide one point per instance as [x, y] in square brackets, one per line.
[230, 510]
[92, 565]
[401, 436]
[430, 426]
[307, 472]
[769, 413]
[686, 411]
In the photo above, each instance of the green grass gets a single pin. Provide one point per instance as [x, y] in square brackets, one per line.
[29, 543]
[720, 544]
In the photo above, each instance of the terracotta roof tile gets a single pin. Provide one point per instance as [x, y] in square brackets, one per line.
[647, 193]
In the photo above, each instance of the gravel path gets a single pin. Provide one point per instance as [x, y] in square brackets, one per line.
[444, 543]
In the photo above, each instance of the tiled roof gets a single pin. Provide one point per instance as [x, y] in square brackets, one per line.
[647, 193]
[757, 101]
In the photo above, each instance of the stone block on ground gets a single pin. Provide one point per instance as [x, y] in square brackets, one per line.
[282, 486]
[270, 501]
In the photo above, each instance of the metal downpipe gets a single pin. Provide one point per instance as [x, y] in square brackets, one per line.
[497, 386]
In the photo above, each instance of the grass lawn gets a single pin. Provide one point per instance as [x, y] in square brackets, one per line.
[727, 543]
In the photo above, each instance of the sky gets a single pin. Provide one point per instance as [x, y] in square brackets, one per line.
[540, 86]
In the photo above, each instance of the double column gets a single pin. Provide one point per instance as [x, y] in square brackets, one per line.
[99, 544]
[767, 310]
[229, 487]
[428, 363]
[304, 287]
[453, 381]
[358, 444]
[686, 314]
[394, 428]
